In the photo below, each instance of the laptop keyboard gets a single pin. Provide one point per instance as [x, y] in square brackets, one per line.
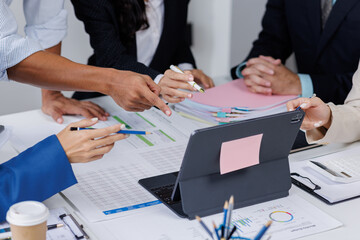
[164, 193]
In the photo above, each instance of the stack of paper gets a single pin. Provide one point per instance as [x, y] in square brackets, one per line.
[232, 102]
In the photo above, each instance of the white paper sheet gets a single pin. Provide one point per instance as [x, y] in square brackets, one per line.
[109, 188]
[292, 218]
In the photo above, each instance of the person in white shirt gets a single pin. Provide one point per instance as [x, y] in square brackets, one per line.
[145, 37]
[23, 59]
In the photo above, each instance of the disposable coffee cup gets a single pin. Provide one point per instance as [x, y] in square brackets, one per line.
[28, 220]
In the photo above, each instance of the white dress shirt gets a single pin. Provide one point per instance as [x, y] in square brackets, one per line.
[46, 25]
[147, 40]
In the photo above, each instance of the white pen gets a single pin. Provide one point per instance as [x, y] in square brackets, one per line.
[192, 83]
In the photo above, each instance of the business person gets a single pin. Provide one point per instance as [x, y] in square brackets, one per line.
[45, 169]
[23, 60]
[324, 35]
[329, 122]
[142, 36]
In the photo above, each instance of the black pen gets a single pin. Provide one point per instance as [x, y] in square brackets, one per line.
[232, 232]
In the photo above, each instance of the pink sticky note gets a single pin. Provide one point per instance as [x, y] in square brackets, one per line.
[240, 153]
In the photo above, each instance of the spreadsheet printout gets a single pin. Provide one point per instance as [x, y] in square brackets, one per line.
[109, 188]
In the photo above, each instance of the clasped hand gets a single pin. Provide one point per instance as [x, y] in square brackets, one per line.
[267, 75]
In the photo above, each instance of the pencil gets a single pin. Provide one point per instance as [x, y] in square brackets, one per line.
[216, 231]
[263, 230]
[121, 131]
[226, 207]
[192, 83]
[204, 226]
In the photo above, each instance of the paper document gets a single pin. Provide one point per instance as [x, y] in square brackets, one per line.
[109, 188]
[292, 218]
[240, 153]
[232, 102]
[61, 233]
[331, 190]
[236, 94]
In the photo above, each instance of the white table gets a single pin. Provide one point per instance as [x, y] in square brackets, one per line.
[347, 212]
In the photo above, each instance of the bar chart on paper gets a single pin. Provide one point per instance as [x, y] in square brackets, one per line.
[164, 129]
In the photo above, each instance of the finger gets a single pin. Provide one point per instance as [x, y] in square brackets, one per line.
[262, 65]
[270, 59]
[260, 81]
[264, 68]
[156, 89]
[101, 150]
[97, 108]
[179, 85]
[102, 132]
[250, 71]
[108, 140]
[156, 101]
[203, 79]
[142, 106]
[94, 158]
[84, 123]
[176, 93]
[261, 90]
[97, 114]
[179, 76]
[171, 99]
[56, 114]
[304, 103]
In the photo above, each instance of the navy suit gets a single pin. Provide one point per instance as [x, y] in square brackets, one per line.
[36, 174]
[330, 56]
[101, 22]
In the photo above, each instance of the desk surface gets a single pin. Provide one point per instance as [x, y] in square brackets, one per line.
[346, 212]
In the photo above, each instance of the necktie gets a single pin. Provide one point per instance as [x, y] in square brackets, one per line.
[326, 6]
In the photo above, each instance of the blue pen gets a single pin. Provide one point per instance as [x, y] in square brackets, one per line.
[121, 131]
[263, 231]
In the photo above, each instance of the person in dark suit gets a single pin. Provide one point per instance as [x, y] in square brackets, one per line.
[324, 35]
[142, 36]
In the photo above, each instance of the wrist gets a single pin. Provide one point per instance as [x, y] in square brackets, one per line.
[297, 88]
[47, 94]
[329, 121]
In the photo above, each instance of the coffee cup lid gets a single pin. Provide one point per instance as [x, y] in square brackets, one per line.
[28, 213]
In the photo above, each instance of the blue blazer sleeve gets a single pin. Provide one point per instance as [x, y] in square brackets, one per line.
[36, 174]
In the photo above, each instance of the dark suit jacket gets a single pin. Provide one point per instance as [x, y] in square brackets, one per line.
[101, 23]
[330, 56]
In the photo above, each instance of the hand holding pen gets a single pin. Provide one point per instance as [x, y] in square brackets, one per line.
[317, 113]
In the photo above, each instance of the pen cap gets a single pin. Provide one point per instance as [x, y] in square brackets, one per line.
[28, 213]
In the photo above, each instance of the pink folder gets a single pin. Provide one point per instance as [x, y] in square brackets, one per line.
[236, 94]
[240, 153]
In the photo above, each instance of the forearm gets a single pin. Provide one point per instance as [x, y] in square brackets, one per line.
[49, 71]
[45, 92]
